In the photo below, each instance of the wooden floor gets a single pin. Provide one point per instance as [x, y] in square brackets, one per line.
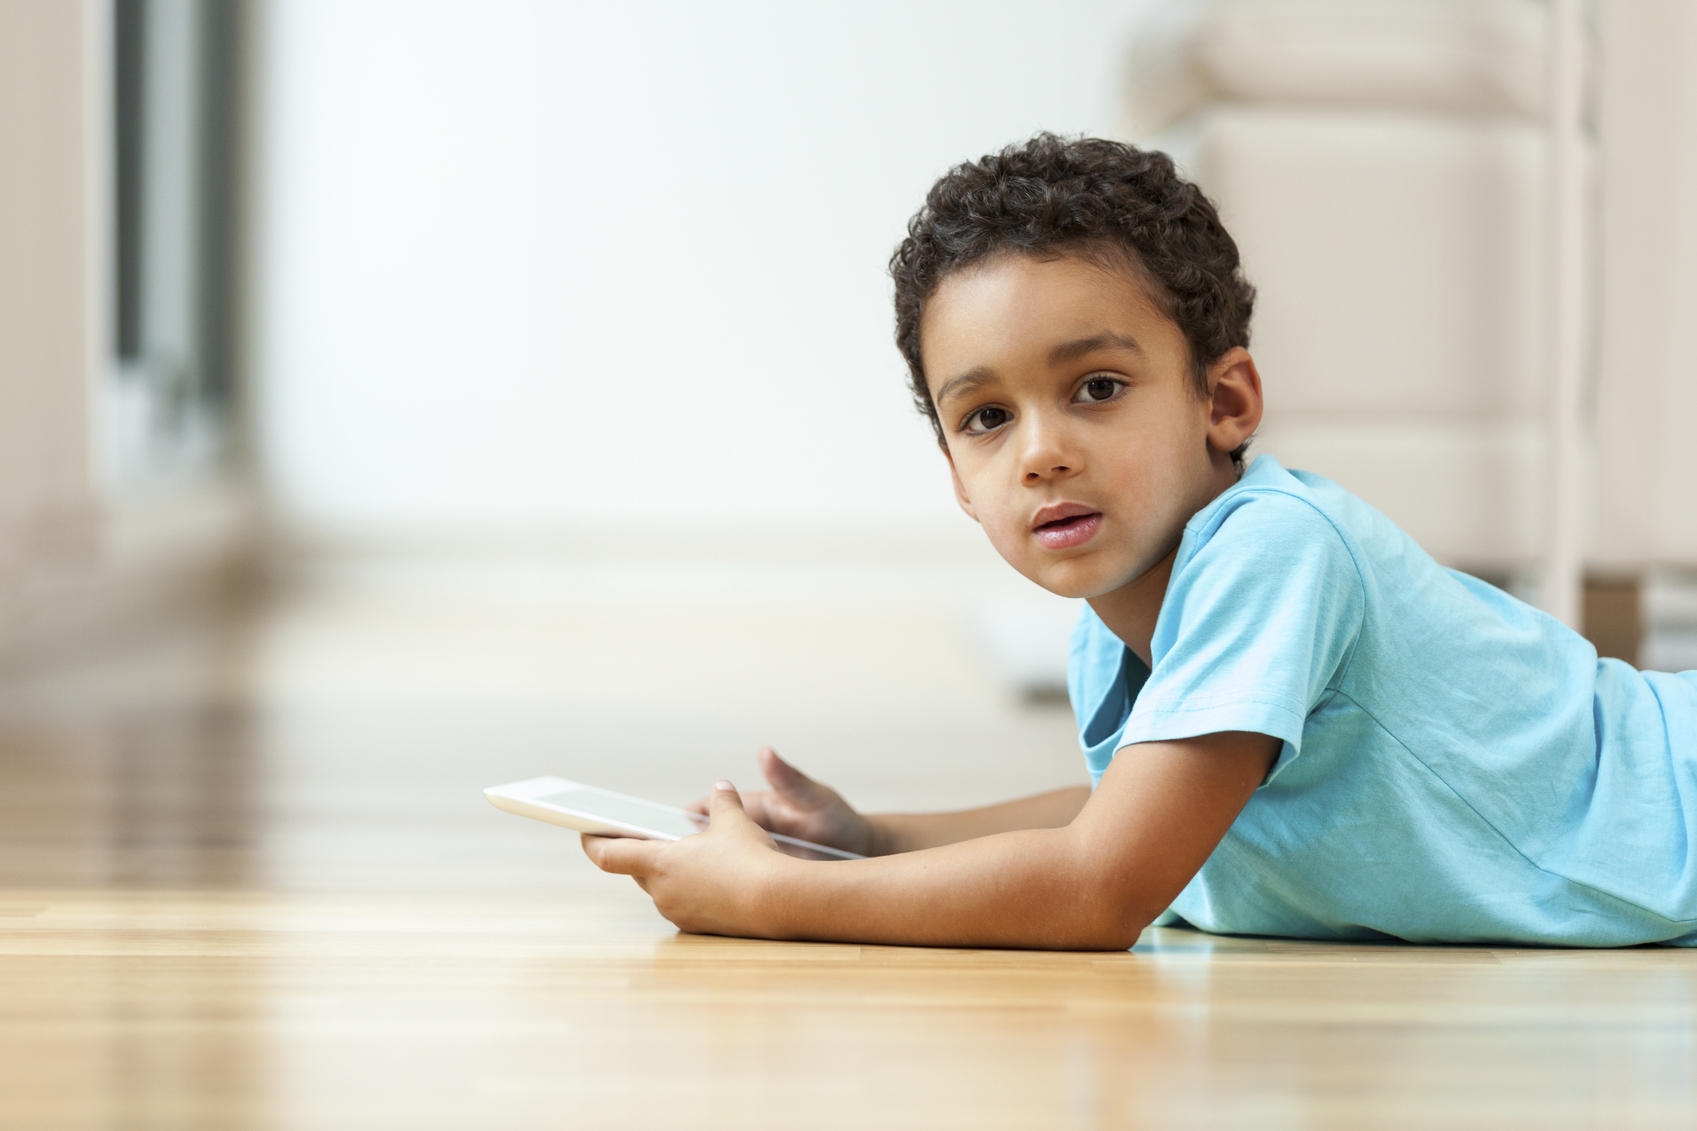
[226, 904]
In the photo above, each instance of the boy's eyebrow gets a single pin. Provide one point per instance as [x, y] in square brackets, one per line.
[973, 378]
[1071, 351]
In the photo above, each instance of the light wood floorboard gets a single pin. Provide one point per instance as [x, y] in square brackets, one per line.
[221, 907]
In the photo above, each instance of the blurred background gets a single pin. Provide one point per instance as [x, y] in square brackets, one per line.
[402, 397]
[399, 398]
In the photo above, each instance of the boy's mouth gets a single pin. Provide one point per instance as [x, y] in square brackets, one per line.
[1067, 524]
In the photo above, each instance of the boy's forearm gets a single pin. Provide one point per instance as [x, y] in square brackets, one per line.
[909, 832]
[1161, 809]
[1032, 888]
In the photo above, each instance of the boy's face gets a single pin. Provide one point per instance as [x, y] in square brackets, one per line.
[1074, 431]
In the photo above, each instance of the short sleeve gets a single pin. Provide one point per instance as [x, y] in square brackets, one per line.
[1260, 617]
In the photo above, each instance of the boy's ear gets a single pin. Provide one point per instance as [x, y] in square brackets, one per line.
[960, 488]
[1234, 401]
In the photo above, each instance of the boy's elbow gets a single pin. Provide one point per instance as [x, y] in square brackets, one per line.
[1094, 900]
[1121, 934]
[1113, 919]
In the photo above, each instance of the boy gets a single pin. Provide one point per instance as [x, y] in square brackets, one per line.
[1297, 722]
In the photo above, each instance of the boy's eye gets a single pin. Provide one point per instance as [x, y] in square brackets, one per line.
[1099, 389]
[986, 420]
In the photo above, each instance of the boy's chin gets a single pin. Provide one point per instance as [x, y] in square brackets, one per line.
[1085, 579]
[1079, 577]
[1075, 584]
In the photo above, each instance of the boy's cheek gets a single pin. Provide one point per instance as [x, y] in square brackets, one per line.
[1006, 535]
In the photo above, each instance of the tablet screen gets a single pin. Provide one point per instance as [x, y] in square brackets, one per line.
[627, 811]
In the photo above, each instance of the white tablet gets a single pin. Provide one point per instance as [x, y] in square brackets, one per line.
[601, 811]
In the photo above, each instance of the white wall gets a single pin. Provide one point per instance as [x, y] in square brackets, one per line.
[535, 264]
[51, 282]
[1647, 374]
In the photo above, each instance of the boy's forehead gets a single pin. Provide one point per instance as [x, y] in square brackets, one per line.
[1019, 304]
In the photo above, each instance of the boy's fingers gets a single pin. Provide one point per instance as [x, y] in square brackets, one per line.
[785, 778]
[623, 856]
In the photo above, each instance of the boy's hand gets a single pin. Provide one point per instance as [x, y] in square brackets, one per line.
[712, 883]
[798, 806]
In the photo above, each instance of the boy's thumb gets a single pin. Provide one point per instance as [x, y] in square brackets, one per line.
[725, 799]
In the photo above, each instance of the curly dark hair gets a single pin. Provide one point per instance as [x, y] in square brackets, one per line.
[1111, 202]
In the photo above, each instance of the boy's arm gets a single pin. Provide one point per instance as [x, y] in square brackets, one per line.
[1158, 813]
[908, 832]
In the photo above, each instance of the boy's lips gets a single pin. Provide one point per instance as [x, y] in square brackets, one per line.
[1064, 525]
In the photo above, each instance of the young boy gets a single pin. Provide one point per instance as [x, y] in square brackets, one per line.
[1298, 723]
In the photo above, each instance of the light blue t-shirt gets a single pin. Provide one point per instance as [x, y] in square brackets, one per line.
[1457, 766]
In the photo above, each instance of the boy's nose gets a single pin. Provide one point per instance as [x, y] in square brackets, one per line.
[1053, 472]
[1046, 454]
